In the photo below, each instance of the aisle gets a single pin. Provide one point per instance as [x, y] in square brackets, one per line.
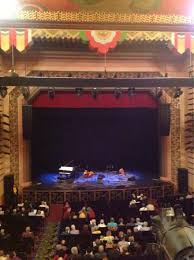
[56, 213]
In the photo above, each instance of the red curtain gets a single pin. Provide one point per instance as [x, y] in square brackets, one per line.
[63, 99]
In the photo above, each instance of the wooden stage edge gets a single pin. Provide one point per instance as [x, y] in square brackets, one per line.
[59, 196]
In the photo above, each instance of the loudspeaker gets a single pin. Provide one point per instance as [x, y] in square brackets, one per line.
[27, 121]
[8, 189]
[182, 180]
[164, 119]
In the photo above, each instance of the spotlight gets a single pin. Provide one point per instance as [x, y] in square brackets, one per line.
[25, 92]
[94, 93]
[51, 93]
[159, 92]
[131, 92]
[3, 91]
[78, 91]
[178, 92]
[117, 92]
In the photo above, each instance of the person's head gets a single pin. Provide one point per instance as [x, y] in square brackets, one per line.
[63, 242]
[121, 234]
[2, 231]
[109, 244]
[67, 204]
[102, 221]
[108, 233]
[124, 250]
[73, 227]
[74, 250]
[85, 227]
[101, 249]
[145, 224]
[67, 229]
[132, 220]
[137, 220]
[131, 239]
[112, 219]
[121, 220]
[93, 222]
[2, 253]
[23, 209]
[28, 229]
[89, 251]
[129, 232]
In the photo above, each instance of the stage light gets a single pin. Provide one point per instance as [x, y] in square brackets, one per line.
[131, 92]
[94, 93]
[25, 92]
[3, 91]
[9, 9]
[78, 91]
[117, 92]
[178, 92]
[51, 93]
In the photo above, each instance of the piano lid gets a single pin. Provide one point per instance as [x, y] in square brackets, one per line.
[66, 168]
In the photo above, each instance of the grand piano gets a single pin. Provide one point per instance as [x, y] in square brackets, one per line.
[66, 172]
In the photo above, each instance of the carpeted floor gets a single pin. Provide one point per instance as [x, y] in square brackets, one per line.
[56, 213]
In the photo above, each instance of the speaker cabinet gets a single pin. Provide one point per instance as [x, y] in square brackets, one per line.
[164, 119]
[27, 121]
[8, 189]
[182, 180]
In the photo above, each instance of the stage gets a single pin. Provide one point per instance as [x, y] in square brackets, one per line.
[111, 187]
[110, 179]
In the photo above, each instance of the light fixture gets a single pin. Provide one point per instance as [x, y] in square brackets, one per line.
[25, 92]
[9, 9]
[78, 91]
[177, 92]
[94, 93]
[51, 92]
[131, 92]
[117, 92]
[3, 91]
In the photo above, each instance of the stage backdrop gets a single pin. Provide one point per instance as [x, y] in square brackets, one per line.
[125, 137]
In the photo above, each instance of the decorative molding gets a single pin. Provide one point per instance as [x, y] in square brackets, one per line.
[103, 17]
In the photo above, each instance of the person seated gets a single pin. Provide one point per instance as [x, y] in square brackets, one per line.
[102, 224]
[27, 233]
[121, 172]
[112, 225]
[3, 255]
[89, 254]
[101, 254]
[131, 222]
[108, 237]
[143, 208]
[145, 226]
[113, 253]
[74, 231]
[60, 256]
[74, 254]
[123, 243]
[1, 211]
[138, 222]
[125, 253]
[121, 222]
[23, 212]
[150, 206]
[67, 231]
[40, 213]
[83, 213]
[95, 230]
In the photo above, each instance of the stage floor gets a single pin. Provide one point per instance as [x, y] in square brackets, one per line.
[111, 180]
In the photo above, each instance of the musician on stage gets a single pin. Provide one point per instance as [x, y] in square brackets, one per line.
[88, 174]
[121, 172]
